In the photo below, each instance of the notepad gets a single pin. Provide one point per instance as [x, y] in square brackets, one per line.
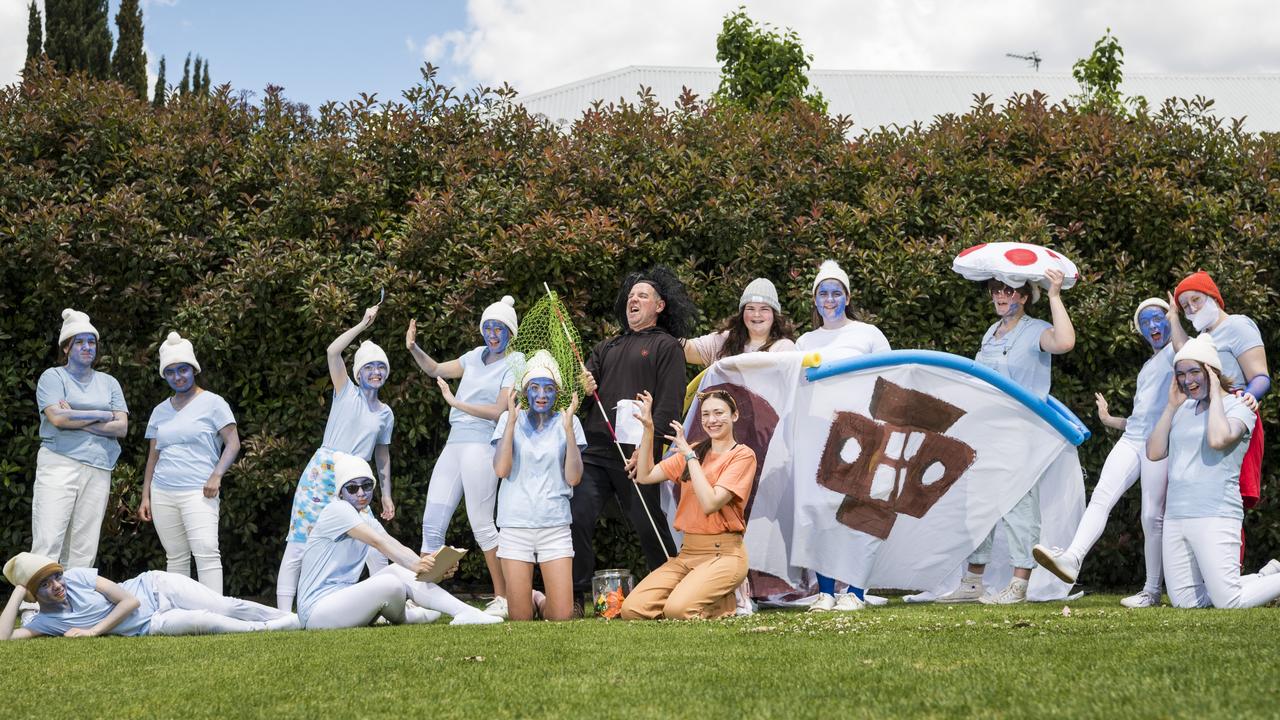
[446, 559]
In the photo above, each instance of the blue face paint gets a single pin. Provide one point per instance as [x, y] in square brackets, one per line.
[181, 377]
[541, 394]
[52, 590]
[1192, 377]
[373, 375]
[830, 301]
[83, 351]
[1154, 326]
[496, 336]
[361, 497]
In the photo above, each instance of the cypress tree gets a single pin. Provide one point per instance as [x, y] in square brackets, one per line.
[195, 77]
[184, 87]
[157, 96]
[129, 65]
[35, 33]
[78, 38]
[204, 78]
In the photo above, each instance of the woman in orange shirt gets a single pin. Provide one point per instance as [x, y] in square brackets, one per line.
[715, 479]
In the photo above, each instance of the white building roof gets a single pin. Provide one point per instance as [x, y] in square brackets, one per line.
[872, 98]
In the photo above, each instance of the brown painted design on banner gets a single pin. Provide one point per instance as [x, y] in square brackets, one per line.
[904, 463]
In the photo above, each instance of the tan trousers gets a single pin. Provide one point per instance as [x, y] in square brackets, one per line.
[697, 583]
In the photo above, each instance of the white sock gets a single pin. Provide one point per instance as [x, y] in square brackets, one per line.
[419, 615]
[474, 617]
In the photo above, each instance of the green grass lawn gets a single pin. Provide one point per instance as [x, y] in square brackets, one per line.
[895, 661]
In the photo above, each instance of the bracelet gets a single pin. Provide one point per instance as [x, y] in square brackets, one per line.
[690, 456]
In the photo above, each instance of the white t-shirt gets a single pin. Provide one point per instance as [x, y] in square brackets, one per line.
[352, 427]
[856, 338]
[1018, 356]
[536, 494]
[1204, 482]
[1235, 336]
[87, 607]
[332, 559]
[101, 392]
[188, 443]
[708, 346]
[1151, 395]
[480, 385]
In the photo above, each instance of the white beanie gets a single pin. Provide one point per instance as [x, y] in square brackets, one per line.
[504, 311]
[1201, 349]
[1149, 302]
[830, 270]
[74, 323]
[369, 352]
[760, 290]
[176, 350]
[349, 467]
[541, 365]
[29, 570]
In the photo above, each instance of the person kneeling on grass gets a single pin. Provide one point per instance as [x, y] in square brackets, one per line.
[80, 603]
[714, 479]
[331, 594]
[538, 453]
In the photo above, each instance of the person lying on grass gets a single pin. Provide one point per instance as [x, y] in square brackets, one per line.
[80, 603]
[714, 480]
[331, 594]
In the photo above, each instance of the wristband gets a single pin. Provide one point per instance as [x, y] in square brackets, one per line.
[690, 456]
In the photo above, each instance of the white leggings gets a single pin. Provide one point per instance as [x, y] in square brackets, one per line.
[291, 570]
[383, 594]
[187, 523]
[187, 607]
[1126, 462]
[464, 469]
[1202, 566]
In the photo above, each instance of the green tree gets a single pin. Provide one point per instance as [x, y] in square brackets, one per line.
[184, 87]
[204, 78]
[35, 33]
[1100, 76]
[762, 68]
[129, 65]
[157, 95]
[78, 39]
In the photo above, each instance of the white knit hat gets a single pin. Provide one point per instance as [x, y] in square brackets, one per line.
[830, 270]
[1149, 302]
[176, 350]
[348, 467]
[369, 352]
[74, 323]
[542, 365]
[29, 570]
[504, 311]
[1202, 349]
[760, 290]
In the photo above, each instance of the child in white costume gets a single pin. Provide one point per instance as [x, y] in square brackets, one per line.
[331, 594]
[1204, 433]
[465, 466]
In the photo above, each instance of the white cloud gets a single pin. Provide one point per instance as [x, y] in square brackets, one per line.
[537, 44]
[13, 38]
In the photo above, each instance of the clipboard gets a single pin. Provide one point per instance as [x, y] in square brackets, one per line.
[446, 559]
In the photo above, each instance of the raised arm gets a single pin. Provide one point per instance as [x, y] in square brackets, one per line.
[1158, 440]
[9, 618]
[1111, 421]
[1221, 432]
[337, 368]
[710, 497]
[647, 473]
[451, 369]
[572, 453]
[1177, 334]
[502, 456]
[1061, 337]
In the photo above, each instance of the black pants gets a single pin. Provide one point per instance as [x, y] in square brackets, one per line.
[589, 497]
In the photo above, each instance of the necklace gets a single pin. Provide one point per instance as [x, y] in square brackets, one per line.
[1011, 336]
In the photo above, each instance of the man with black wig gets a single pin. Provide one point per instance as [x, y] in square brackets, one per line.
[655, 312]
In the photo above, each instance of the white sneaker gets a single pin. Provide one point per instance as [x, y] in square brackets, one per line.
[497, 607]
[1012, 594]
[846, 602]
[1056, 561]
[970, 590]
[474, 617]
[1270, 568]
[823, 603]
[1143, 599]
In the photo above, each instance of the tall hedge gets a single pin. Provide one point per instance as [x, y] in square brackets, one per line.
[260, 230]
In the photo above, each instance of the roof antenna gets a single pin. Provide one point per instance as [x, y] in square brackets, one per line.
[1032, 58]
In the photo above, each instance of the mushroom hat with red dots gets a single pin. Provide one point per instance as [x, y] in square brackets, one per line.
[1014, 264]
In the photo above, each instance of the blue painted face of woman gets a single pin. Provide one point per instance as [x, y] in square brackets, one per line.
[1154, 326]
[541, 394]
[1192, 377]
[52, 590]
[373, 375]
[830, 300]
[181, 377]
[358, 492]
[496, 336]
[83, 351]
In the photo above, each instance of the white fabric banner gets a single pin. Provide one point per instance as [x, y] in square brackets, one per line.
[889, 477]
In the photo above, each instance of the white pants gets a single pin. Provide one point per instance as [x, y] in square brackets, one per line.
[186, 607]
[291, 570]
[187, 523]
[1202, 566]
[1021, 530]
[383, 594]
[67, 506]
[462, 470]
[1126, 462]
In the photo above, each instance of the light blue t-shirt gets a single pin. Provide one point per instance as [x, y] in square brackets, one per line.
[352, 427]
[88, 607]
[102, 392]
[536, 495]
[1151, 395]
[1236, 335]
[1204, 482]
[1017, 355]
[480, 385]
[188, 442]
[332, 560]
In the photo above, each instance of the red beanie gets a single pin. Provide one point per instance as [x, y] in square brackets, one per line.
[1199, 281]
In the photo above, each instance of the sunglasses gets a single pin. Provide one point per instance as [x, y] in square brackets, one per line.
[354, 487]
